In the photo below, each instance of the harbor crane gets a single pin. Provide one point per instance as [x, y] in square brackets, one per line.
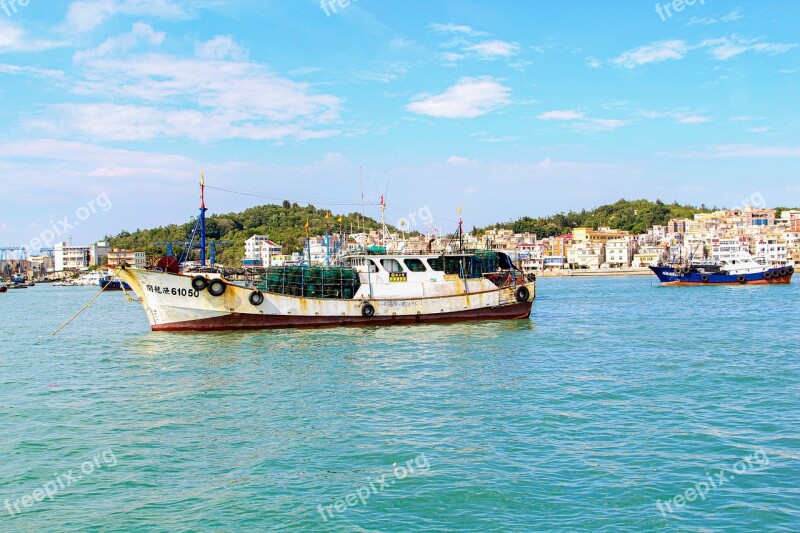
[3, 249]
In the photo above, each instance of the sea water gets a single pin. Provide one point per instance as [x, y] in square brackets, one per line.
[620, 405]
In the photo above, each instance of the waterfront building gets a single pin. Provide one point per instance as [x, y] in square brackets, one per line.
[771, 249]
[41, 265]
[649, 256]
[555, 262]
[135, 259]
[600, 235]
[620, 252]
[531, 257]
[793, 219]
[253, 247]
[728, 248]
[74, 258]
[586, 254]
[9, 267]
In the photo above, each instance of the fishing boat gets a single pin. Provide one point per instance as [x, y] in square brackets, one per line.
[368, 287]
[740, 270]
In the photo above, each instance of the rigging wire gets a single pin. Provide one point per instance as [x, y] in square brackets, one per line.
[328, 201]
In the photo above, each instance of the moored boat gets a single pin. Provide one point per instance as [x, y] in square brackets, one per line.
[742, 270]
[113, 283]
[368, 288]
[3, 287]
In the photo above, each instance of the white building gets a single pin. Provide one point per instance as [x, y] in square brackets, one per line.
[620, 252]
[69, 257]
[531, 257]
[135, 259]
[252, 247]
[269, 250]
[649, 256]
[729, 248]
[586, 255]
[771, 250]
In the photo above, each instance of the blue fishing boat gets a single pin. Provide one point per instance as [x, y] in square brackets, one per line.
[742, 270]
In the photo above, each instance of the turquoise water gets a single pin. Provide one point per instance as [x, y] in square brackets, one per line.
[617, 394]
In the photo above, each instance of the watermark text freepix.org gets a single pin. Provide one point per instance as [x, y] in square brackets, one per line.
[757, 460]
[375, 486]
[329, 6]
[10, 7]
[676, 5]
[51, 488]
[59, 228]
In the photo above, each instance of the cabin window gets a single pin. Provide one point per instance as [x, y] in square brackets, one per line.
[391, 265]
[452, 265]
[437, 264]
[415, 265]
[372, 266]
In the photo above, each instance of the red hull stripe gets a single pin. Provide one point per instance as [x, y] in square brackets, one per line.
[249, 321]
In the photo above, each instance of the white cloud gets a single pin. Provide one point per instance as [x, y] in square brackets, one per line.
[469, 98]
[451, 57]
[14, 39]
[729, 47]
[86, 15]
[722, 49]
[201, 99]
[494, 49]
[584, 122]
[708, 21]
[653, 53]
[22, 70]
[693, 120]
[593, 62]
[732, 16]
[458, 160]
[455, 28]
[759, 129]
[681, 117]
[219, 48]
[139, 33]
[562, 115]
[732, 151]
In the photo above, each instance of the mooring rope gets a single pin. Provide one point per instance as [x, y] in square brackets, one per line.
[85, 307]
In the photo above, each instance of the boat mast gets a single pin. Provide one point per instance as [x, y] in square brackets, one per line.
[202, 220]
[384, 229]
[460, 232]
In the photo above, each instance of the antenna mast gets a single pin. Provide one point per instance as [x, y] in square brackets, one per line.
[202, 219]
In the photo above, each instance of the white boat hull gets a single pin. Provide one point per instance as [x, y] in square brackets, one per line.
[171, 304]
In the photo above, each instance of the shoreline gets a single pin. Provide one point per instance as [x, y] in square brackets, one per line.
[595, 273]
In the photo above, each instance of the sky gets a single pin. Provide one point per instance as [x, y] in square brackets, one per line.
[111, 109]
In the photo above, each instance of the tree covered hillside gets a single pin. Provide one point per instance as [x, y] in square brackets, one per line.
[284, 224]
[636, 216]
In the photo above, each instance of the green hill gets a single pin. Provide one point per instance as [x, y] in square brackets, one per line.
[284, 224]
[636, 216]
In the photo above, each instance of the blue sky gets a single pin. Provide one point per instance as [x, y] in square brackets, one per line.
[506, 108]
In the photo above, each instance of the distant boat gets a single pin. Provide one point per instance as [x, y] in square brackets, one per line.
[3, 287]
[742, 270]
[113, 284]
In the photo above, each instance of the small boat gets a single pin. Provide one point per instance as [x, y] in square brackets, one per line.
[741, 270]
[113, 284]
[3, 287]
